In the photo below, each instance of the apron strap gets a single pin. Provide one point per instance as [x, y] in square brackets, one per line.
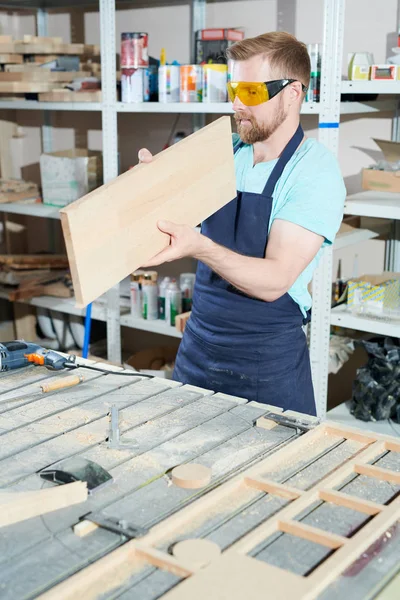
[284, 158]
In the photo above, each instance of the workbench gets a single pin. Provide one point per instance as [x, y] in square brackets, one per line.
[263, 462]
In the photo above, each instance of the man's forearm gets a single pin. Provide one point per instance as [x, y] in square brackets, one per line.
[258, 277]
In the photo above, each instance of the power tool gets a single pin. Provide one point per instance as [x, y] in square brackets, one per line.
[18, 354]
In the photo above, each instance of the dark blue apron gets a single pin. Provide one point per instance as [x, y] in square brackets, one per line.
[237, 344]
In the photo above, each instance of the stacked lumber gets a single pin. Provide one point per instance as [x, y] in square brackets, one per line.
[33, 65]
[17, 190]
[24, 276]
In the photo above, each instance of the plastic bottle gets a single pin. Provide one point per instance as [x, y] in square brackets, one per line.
[136, 295]
[315, 77]
[150, 298]
[173, 302]
[187, 286]
[161, 297]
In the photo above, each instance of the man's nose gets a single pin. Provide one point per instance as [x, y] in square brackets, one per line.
[237, 104]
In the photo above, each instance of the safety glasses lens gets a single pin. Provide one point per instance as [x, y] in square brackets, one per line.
[250, 94]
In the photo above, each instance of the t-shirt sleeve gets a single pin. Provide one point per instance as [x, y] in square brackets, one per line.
[316, 199]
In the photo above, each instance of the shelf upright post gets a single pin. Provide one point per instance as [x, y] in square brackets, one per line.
[42, 28]
[331, 75]
[197, 21]
[110, 152]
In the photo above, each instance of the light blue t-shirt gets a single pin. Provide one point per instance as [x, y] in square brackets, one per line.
[310, 193]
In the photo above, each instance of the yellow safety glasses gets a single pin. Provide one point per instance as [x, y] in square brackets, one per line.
[254, 93]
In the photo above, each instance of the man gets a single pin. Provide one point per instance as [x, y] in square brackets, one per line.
[257, 255]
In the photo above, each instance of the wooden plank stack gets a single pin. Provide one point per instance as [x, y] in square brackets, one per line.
[27, 66]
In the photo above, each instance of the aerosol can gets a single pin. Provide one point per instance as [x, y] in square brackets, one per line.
[173, 302]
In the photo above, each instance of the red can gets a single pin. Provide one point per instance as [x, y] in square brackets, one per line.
[134, 50]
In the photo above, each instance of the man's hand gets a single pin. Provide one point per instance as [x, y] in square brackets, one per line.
[184, 241]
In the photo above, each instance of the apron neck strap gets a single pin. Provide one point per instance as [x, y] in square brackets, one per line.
[284, 158]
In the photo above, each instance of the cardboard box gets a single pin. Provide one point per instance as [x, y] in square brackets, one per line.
[70, 174]
[376, 294]
[384, 181]
[158, 361]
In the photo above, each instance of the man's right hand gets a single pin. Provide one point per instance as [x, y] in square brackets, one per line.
[145, 156]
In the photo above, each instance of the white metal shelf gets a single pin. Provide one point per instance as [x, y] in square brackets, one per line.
[370, 87]
[341, 316]
[353, 237]
[36, 105]
[308, 108]
[153, 326]
[383, 205]
[36, 209]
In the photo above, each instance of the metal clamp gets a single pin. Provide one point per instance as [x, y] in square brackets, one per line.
[120, 526]
[291, 422]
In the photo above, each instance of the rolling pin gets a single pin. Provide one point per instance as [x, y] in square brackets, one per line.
[60, 384]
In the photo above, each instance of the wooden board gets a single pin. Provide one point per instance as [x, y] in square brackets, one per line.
[44, 75]
[34, 261]
[16, 507]
[113, 231]
[26, 87]
[69, 96]
[35, 39]
[11, 58]
[47, 48]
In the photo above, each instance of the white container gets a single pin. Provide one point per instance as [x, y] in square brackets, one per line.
[150, 300]
[215, 78]
[187, 287]
[132, 85]
[136, 296]
[161, 297]
[173, 302]
[168, 83]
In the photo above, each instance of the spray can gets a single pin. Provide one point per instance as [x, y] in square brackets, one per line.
[168, 83]
[215, 77]
[191, 83]
[315, 77]
[132, 85]
[161, 297]
[187, 286]
[173, 302]
[150, 298]
[136, 295]
[134, 52]
[146, 85]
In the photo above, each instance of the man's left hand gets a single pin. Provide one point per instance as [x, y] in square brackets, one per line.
[184, 241]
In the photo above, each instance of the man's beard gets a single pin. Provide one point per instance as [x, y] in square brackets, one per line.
[255, 132]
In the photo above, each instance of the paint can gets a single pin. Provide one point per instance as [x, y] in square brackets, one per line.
[150, 298]
[134, 50]
[215, 77]
[168, 83]
[132, 85]
[173, 302]
[191, 83]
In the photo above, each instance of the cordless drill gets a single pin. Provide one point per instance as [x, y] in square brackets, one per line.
[18, 354]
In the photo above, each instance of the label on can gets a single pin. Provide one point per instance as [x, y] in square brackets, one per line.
[150, 302]
[191, 83]
[134, 50]
[168, 83]
[132, 85]
[214, 83]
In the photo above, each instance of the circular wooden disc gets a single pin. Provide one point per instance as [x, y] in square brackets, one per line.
[191, 476]
[196, 553]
